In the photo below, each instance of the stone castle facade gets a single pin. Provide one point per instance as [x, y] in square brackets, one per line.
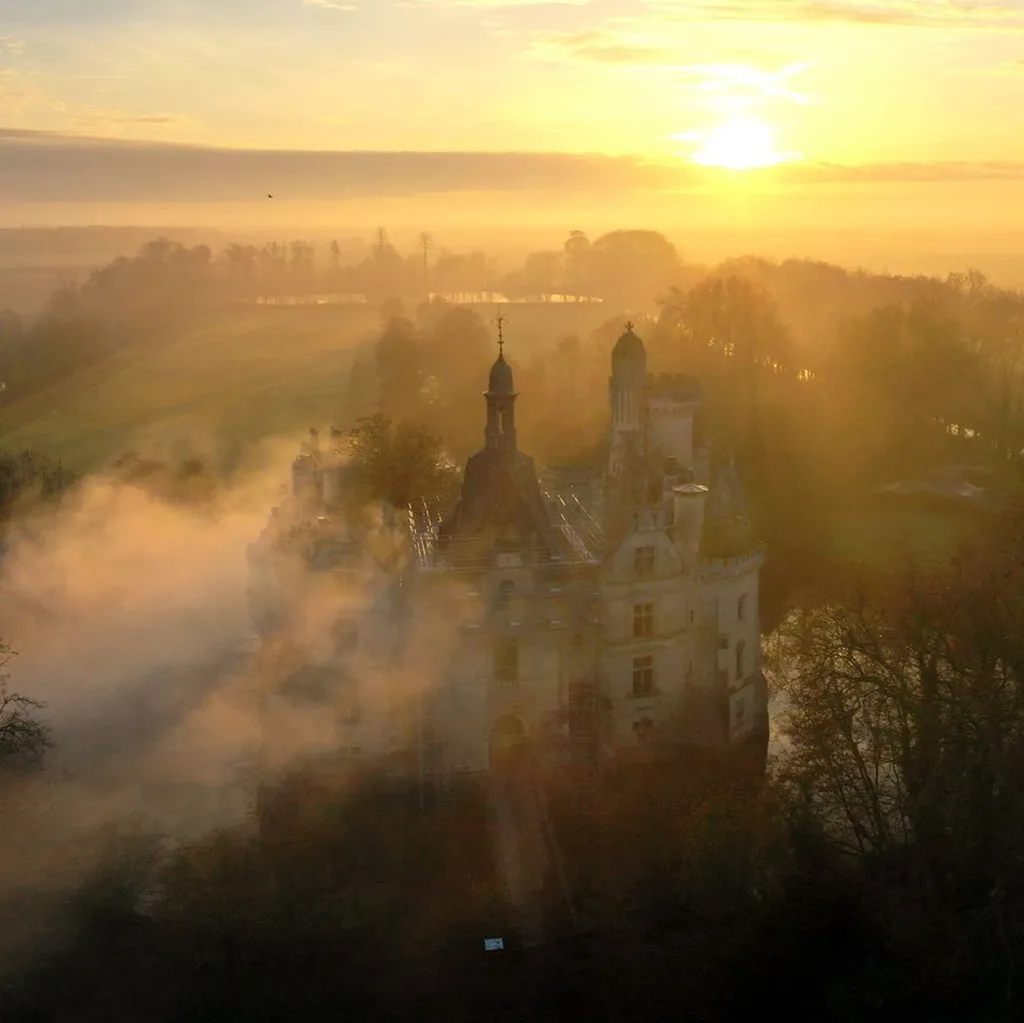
[619, 623]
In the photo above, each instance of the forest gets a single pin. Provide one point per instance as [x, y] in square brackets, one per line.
[874, 872]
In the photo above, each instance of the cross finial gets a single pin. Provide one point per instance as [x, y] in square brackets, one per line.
[501, 321]
[629, 326]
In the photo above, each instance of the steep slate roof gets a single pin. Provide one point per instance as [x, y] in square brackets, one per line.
[501, 500]
[629, 347]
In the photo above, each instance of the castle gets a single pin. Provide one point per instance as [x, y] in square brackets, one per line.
[622, 624]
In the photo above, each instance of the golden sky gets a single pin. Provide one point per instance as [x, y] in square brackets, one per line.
[723, 81]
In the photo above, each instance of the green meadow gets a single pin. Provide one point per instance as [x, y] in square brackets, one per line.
[238, 379]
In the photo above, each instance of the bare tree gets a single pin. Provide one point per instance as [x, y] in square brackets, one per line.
[906, 711]
[23, 738]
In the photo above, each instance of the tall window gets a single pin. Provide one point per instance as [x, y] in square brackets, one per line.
[643, 676]
[643, 561]
[643, 621]
[506, 659]
[504, 595]
[741, 650]
[741, 709]
[741, 608]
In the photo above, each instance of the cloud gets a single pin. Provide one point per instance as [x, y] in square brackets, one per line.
[605, 46]
[493, 4]
[890, 173]
[89, 169]
[91, 119]
[743, 78]
[130, 619]
[17, 92]
[330, 5]
[9, 44]
[49, 167]
[922, 13]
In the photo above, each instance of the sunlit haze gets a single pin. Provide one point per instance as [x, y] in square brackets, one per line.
[511, 510]
[848, 101]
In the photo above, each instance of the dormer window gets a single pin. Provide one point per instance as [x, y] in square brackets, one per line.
[643, 561]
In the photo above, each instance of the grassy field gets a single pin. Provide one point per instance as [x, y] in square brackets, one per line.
[244, 377]
[248, 375]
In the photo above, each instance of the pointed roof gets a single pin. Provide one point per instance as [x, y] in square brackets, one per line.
[500, 383]
[629, 348]
[501, 502]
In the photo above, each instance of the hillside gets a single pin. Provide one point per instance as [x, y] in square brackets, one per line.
[243, 377]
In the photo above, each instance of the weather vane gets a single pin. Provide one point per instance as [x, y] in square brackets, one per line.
[501, 321]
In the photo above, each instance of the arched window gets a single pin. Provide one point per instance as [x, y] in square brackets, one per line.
[741, 608]
[741, 649]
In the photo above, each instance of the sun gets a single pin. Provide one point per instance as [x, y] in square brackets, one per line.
[741, 143]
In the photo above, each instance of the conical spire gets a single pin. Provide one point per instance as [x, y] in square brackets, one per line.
[500, 431]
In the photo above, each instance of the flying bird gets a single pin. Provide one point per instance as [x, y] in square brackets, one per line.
[269, 196]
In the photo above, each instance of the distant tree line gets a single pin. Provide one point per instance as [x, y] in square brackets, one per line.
[918, 356]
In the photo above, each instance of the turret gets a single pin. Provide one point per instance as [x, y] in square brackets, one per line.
[627, 394]
[688, 503]
[500, 432]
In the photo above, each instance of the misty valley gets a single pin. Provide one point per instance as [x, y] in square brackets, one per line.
[362, 605]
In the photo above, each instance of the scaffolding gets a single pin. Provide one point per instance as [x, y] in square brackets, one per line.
[581, 534]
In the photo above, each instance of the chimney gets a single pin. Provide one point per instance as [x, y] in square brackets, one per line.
[688, 514]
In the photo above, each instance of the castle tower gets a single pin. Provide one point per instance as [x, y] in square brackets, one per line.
[500, 432]
[628, 400]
